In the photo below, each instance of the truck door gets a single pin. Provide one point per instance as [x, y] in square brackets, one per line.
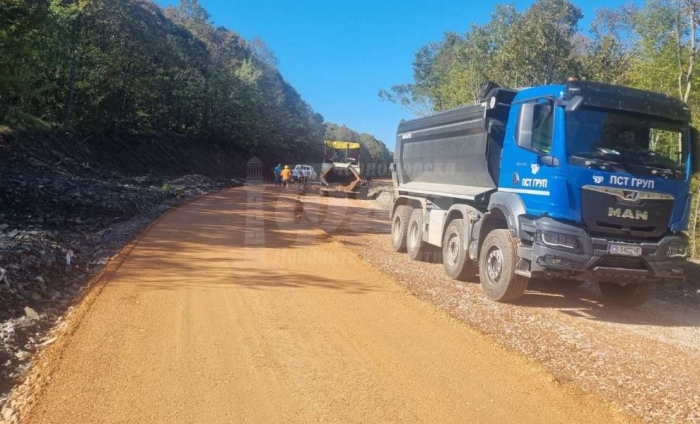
[526, 164]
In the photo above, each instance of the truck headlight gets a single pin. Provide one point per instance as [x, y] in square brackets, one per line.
[560, 241]
[677, 250]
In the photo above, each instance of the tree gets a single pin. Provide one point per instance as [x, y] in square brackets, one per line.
[540, 44]
[22, 25]
[127, 64]
[372, 150]
[514, 49]
[608, 56]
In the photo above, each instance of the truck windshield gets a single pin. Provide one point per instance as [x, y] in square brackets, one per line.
[609, 140]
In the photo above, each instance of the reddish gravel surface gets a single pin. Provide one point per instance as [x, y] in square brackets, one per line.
[237, 308]
[643, 360]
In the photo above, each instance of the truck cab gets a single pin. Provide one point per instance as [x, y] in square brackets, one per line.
[586, 181]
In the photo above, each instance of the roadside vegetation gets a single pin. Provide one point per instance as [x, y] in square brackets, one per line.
[110, 66]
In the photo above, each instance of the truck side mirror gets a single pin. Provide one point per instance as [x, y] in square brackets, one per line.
[523, 137]
[694, 150]
[574, 103]
[549, 160]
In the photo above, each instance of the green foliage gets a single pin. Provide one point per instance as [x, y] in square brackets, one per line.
[371, 151]
[516, 49]
[18, 119]
[604, 58]
[168, 191]
[109, 65]
[652, 47]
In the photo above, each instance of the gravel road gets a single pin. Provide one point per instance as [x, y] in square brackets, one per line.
[644, 360]
[237, 308]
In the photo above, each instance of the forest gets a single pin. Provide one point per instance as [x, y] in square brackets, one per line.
[652, 46]
[128, 65]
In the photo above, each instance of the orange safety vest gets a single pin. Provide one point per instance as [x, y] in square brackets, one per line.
[286, 174]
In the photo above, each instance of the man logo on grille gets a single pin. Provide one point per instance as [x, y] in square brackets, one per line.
[628, 214]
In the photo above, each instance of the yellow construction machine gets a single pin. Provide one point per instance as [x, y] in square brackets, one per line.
[340, 171]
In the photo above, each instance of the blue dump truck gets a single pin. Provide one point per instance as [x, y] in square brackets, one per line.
[575, 182]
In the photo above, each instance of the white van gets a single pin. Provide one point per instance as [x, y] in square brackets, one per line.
[304, 172]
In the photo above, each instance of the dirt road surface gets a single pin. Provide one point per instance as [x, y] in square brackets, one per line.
[643, 360]
[236, 308]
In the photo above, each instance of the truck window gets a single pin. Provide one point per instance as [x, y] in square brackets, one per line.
[542, 125]
[633, 141]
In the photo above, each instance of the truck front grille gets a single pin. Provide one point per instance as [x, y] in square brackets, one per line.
[629, 213]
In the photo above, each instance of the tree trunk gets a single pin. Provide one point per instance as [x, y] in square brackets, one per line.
[686, 76]
[68, 107]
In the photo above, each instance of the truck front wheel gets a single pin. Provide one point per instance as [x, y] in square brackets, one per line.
[457, 264]
[630, 295]
[497, 261]
[399, 227]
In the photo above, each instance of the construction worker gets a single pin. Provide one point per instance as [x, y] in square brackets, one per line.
[278, 175]
[286, 176]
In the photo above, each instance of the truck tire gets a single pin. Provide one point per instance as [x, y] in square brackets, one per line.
[497, 268]
[417, 249]
[399, 227]
[455, 260]
[628, 296]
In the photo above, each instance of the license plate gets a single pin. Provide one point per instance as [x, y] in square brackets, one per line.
[624, 249]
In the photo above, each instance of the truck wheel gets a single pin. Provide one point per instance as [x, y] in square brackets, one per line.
[630, 296]
[417, 249]
[455, 260]
[399, 227]
[497, 268]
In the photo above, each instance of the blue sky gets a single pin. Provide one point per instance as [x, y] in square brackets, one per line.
[339, 53]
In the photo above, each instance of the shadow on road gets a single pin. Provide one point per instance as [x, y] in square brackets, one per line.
[586, 302]
[196, 247]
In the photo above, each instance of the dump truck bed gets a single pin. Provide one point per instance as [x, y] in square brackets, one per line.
[451, 154]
